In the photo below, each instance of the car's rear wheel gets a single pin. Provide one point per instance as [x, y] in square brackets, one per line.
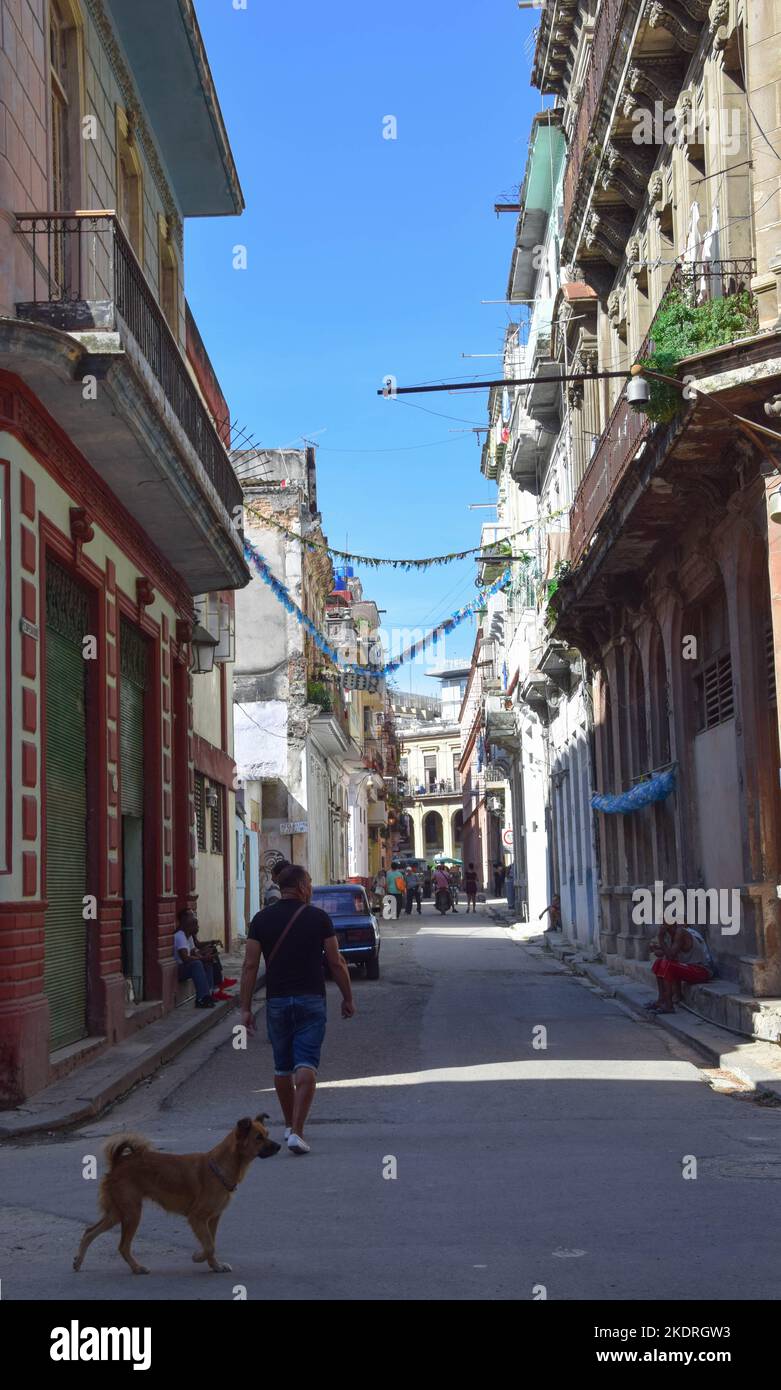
[373, 967]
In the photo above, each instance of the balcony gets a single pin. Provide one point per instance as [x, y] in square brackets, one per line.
[440, 791]
[501, 725]
[636, 66]
[146, 431]
[627, 429]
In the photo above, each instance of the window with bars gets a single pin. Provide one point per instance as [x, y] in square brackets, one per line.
[216, 822]
[200, 810]
[715, 695]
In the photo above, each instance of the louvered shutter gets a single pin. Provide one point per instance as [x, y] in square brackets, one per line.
[65, 961]
[132, 684]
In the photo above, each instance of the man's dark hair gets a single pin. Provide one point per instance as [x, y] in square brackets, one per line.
[185, 912]
[292, 877]
[279, 868]
[471, 865]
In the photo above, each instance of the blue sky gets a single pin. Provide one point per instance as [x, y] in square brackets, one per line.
[368, 256]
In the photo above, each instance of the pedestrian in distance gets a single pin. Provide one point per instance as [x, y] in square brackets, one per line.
[499, 875]
[413, 889]
[293, 935]
[554, 908]
[397, 885]
[470, 884]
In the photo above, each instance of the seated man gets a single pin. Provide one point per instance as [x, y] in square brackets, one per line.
[197, 963]
[682, 957]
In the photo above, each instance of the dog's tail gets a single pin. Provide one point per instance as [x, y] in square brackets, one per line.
[120, 1146]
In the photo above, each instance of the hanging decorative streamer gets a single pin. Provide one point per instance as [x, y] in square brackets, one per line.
[376, 561]
[281, 592]
[654, 789]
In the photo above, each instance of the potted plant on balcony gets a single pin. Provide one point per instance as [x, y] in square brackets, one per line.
[684, 329]
[317, 693]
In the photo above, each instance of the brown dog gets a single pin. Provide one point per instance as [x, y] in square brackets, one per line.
[198, 1186]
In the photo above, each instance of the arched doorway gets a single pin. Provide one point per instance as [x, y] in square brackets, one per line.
[457, 831]
[433, 834]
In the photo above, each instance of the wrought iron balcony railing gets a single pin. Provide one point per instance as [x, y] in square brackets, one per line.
[84, 271]
[626, 427]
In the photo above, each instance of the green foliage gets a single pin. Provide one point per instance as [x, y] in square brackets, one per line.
[492, 572]
[317, 693]
[681, 329]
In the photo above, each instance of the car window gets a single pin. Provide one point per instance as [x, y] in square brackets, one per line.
[345, 904]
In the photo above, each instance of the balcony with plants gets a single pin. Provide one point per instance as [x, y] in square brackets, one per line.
[706, 305]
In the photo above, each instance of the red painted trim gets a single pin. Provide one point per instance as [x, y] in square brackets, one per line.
[216, 764]
[5, 492]
[40, 434]
[223, 709]
[180, 787]
[153, 797]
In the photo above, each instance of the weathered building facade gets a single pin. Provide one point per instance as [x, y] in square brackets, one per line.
[670, 218]
[118, 501]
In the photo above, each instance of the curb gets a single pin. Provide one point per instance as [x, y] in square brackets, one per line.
[756, 1064]
[86, 1093]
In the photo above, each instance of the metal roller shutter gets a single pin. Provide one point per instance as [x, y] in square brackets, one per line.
[131, 747]
[65, 963]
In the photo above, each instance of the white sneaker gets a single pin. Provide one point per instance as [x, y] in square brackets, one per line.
[288, 1132]
[296, 1145]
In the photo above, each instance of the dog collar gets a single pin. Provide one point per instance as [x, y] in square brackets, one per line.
[231, 1186]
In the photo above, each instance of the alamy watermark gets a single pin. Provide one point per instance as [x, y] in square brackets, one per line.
[668, 125]
[681, 907]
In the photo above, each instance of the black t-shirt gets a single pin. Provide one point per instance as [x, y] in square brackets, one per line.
[297, 968]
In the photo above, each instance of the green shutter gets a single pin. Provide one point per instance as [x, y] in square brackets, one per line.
[65, 965]
[131, 747]
[132, 684]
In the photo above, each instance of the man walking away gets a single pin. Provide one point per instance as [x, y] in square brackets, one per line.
[470, 884]
[292, 936]
[413, 888]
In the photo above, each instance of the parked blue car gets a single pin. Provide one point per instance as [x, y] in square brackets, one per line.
[357, 929]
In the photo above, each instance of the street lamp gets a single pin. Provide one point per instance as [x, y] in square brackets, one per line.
[203, 646]
[638, 392]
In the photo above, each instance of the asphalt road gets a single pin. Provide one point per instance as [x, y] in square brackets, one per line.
[516, 1166]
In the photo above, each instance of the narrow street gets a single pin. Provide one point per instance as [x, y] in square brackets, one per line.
[516, 1167]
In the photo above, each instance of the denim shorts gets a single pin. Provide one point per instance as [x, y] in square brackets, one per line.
[296, 1028]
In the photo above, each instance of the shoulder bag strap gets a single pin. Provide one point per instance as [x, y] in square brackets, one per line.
[293, 919]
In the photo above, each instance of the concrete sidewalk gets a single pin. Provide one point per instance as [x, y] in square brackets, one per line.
[755, 1064]
[91, 1089]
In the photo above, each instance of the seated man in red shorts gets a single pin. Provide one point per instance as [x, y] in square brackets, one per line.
[682, 957]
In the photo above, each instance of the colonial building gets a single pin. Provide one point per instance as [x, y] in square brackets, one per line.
[118, 510]
[670, 114]
[311, 747]
[430, 767]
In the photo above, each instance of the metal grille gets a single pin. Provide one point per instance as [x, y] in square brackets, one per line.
[216, 819]
[200, 810]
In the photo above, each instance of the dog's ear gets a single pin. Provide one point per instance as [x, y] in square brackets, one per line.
[243, 1127]
[262, 1118]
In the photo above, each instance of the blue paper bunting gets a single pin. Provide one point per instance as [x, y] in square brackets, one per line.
[280, 592]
